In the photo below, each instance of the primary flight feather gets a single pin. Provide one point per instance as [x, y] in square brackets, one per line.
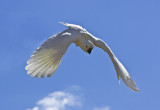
[46, 59]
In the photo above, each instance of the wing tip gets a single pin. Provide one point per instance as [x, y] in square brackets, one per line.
[63, 23]
[136, 89]
[131, 84]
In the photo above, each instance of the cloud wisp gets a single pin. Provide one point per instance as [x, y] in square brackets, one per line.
[59, 100]
[63, 100]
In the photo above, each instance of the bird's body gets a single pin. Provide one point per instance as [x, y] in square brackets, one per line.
[46, 59]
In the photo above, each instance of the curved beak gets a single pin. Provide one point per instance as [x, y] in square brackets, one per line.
[89, 50]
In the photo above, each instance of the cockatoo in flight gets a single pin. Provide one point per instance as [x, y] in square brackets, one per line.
[45, 60]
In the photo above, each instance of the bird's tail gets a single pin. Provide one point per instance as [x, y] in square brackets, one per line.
[122, 73]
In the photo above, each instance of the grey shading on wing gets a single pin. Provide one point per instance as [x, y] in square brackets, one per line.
[46, 59]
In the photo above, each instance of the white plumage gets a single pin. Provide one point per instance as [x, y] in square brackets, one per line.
[46, 59]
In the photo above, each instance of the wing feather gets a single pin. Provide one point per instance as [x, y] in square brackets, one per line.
[38, 58]
[45, 60]
[51, 69]
[39, 67]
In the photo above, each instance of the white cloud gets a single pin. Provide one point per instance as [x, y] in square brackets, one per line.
[103, 108]
[62, 100]
[59, 100]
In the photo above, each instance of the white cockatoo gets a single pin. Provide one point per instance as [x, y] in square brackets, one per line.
[45, 60]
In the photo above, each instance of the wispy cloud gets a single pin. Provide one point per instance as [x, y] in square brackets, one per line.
[59, 100]
[63, 100]
[103, 108]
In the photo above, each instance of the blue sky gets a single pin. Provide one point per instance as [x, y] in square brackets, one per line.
[130, 28]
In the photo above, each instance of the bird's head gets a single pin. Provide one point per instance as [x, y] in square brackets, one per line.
[88, 46]
[85, 45]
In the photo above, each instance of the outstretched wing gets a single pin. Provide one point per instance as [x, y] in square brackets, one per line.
[45, 60]
[120, 69]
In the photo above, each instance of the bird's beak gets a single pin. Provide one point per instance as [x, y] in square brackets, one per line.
[89, 50]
